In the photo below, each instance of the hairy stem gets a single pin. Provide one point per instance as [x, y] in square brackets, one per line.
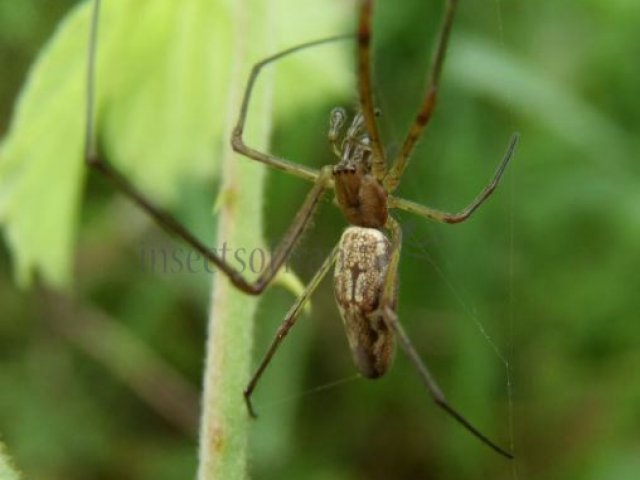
[224, 425]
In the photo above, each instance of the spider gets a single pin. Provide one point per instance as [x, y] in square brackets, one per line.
[366, 257]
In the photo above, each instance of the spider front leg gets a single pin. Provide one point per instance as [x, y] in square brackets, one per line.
[176, 228]
[322, 181]
[392, 177]
[365, 90]
[386, 311]
[392, 180]
[464, 214]
[288, 322]
[237, 140]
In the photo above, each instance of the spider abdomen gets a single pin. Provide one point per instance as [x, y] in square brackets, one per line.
[359, 280]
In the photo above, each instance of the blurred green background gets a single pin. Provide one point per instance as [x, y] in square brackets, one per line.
[101, 379]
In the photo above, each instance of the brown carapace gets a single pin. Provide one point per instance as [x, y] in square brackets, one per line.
[359, 194]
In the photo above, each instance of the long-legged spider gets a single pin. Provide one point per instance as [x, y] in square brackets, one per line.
[366, 259]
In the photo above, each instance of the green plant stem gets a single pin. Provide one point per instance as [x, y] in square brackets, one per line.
[224, 428]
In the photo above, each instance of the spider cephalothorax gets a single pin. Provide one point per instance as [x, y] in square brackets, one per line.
[361, 197]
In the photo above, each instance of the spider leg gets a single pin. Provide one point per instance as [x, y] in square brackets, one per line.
[174, 227]
[444, 217]
[237, 140]
[322, 181]
[290, 319]
[387, 312]
[391, 319]
[365, 89]
[423, 116]
[395, 231]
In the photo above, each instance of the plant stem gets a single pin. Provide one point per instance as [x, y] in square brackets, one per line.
[224, 428]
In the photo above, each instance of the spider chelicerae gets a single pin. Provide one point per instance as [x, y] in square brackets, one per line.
[366, 257]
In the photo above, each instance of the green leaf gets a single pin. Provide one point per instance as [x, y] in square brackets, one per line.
[41, 171]
[7, 471]
[163, 70]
